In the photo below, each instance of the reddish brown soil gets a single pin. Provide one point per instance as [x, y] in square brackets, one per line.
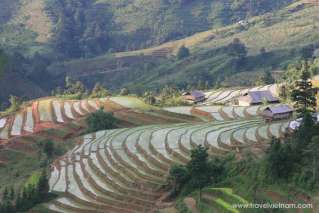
[20, 145]
[191, 204]
[201, 113]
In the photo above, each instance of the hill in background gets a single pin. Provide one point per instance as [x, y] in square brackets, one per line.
[104, 40]
[273, 41]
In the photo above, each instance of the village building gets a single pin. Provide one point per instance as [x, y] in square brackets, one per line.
[277, 112]
[315, 85]
[195, 96]
[257, 97]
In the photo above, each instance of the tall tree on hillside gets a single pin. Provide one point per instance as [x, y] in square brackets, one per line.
[305, 132]
[307, 52]
[304, 95]
[48, 148]
[237, 49]
[265, 78]
[311, 153]
[183, 52]
[268, 78]
[278, 160]
[199, 169]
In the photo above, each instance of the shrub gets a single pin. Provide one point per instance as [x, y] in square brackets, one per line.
[124, 92]
[183, 52]
[100, 120]
[99, 91]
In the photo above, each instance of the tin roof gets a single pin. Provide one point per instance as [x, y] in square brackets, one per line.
[280, 109]
[260, 96]
[197, 94]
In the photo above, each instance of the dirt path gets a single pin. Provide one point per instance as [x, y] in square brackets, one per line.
[191, 204]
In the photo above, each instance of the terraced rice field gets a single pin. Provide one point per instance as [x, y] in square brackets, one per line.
[68, 110]
[186, 110]
[130, 102]
[44, 109]
[17, 125]
[52, 112]
[222, 113]
[226, 96]
[123, 170]
[2, 122]
[29, 120]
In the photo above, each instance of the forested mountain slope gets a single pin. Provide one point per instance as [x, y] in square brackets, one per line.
[95, 40]
[272, 41]
[90, 27]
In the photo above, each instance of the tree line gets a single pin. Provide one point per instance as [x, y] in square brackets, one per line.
[31, 195]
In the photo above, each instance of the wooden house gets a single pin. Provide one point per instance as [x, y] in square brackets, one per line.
[277, 112]
[257, 97]
[195, 96]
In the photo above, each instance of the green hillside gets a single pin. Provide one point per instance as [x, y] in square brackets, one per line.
[105, 40]
[283, 34]
[89, 27]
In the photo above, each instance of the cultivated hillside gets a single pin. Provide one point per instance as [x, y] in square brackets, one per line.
[90, 27]
[283, 35]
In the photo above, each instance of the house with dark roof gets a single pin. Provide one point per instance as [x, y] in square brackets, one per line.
[194, 96]
[277, 112]
[257, 97]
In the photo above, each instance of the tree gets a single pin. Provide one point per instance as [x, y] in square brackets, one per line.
[307, 52]
[124, 92]
[72, 87]
[279, 160]
[265, 78]
[311, 152]
[99, 91]
[183, 52]
[100, 120]
[237, 49]
[199, 169]
[305, 132]
[149, 98]
[15, 104]
[12, 193]
[178, 176]
[48, 148]
[43, 186]
[304, 95]
[5, 194]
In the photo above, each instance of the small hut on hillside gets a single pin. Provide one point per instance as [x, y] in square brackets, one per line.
[257, 97]
[195, 96]
[277, 112]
